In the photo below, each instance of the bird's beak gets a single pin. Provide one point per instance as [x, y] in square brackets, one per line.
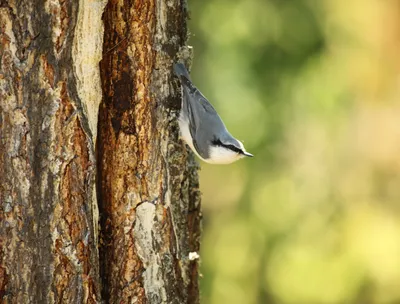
[248, 154]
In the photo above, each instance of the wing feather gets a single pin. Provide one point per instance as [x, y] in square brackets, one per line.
[202, 116]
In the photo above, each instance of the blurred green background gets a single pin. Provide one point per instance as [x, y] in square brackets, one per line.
[312, 88]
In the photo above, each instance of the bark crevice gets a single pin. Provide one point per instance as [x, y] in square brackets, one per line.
[57, 104]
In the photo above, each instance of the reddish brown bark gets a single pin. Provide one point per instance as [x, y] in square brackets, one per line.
[148, 225]
[47, 167]
[50, 91]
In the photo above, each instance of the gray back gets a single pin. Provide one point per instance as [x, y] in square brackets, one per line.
[205, 124]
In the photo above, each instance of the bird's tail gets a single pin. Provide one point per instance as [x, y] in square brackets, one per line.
[180, 70]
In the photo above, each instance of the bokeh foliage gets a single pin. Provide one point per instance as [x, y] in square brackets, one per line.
[312, 87]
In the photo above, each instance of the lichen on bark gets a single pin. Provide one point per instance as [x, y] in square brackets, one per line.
[149, 197]
[57, 104]
[48, 250]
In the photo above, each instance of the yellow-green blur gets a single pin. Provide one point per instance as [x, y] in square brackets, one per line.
[312, 88]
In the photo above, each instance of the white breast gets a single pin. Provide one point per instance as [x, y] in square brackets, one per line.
[218, 155]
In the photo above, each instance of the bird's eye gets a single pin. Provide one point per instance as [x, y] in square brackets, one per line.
[218, 142]
[235, 149]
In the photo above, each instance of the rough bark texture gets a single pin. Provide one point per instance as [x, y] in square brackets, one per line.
[51, 86]
[149, 198]
[48, 239]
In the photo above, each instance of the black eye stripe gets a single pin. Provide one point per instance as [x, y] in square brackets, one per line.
[233, 148]
[217, 142]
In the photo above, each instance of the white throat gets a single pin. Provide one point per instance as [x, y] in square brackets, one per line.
[223, 156]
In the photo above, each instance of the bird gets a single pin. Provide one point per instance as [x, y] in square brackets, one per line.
[202, 128]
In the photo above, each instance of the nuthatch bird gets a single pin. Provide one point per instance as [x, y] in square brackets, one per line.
[202, 128]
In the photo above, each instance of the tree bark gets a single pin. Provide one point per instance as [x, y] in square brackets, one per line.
[148, 196]
[54, 186]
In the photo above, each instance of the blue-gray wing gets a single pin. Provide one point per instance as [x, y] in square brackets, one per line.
[203, 118]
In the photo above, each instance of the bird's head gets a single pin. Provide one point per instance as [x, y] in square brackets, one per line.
[226, 151]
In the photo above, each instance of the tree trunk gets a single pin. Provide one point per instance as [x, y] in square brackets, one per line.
[148, 196]
[51, 90]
